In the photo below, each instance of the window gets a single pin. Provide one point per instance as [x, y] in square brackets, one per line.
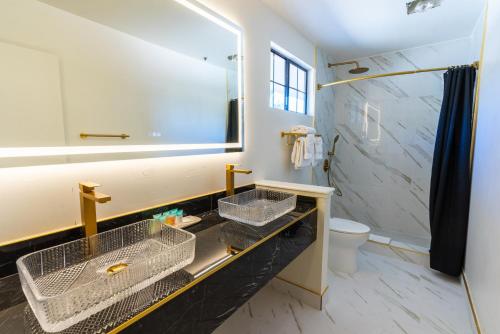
[288, 84]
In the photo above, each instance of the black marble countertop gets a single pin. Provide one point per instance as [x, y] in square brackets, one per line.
[218, 242]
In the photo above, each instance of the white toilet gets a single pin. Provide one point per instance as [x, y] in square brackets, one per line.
[346, 236]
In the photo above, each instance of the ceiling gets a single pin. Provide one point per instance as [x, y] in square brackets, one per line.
[359, 28]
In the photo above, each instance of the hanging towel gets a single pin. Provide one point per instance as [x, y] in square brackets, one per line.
[309, 147]
[318, 150]
[295, 151]
[298, 159]
[303, 129]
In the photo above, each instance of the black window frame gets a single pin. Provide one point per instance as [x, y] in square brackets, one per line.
[289, 62]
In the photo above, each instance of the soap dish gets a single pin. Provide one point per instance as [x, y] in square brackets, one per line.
[188, 221]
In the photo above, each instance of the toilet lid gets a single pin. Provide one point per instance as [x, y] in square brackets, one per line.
[348, 226]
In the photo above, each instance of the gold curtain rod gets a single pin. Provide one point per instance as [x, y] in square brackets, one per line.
[374, 76]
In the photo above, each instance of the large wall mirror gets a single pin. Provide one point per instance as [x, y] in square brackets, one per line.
[117, 76]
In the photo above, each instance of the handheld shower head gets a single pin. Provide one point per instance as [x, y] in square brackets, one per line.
[327, 167]
[335, 140]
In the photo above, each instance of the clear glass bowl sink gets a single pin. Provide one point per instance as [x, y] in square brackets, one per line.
[257, 207]
[70, 282]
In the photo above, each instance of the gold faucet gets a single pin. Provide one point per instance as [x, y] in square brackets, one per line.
[230, 171]
[88, 199]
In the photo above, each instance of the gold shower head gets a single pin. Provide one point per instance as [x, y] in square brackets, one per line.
[357, 70]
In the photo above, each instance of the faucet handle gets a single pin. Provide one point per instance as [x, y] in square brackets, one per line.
[88, 191]
[101, 198]
[88, 186]
[230, 168]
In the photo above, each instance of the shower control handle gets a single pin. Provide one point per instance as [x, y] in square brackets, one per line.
[326, 165]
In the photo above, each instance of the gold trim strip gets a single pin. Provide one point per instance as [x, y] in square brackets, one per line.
[162, 302]
[39, 235]
[62, 229]
[324, 291]
[475, 112]
[299, 286]
[399, 248]
[471, 303]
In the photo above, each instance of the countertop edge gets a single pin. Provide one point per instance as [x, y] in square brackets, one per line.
[310, 190]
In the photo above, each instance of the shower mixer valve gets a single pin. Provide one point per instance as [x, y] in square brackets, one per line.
[326, 165]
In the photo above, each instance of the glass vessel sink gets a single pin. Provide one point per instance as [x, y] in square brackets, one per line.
[70, 282]
[257, 207]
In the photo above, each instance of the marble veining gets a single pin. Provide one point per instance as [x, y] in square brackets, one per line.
[392, 293]
[387, 130]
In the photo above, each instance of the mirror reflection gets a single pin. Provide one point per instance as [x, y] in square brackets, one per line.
[115, 72]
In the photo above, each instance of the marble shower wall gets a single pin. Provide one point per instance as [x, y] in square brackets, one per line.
[387, 131]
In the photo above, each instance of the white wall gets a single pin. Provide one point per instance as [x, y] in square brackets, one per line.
[477, 37]
[43, 198]
[482, 265]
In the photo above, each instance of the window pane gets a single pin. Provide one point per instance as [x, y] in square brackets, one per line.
[293, 76]
[279, 70]
[292, 100]
[279, 97]
[271, 95]
[272, 66]
[301, 103]
[302, 80]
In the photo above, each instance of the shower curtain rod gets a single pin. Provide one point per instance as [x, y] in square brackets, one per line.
[366, 77]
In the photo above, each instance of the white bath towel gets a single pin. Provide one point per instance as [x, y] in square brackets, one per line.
[318, 151]
[297, 157]
[318, 148]
[303, 129]
[309, 147]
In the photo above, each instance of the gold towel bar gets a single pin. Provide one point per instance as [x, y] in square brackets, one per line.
[97, 135]
[289, 141]
[296, 134]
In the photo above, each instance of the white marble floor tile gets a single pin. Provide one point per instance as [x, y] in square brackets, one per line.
[388, 294]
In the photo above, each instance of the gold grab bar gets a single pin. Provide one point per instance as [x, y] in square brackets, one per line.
[97, 135]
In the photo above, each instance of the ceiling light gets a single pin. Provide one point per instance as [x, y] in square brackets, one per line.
[419, 6]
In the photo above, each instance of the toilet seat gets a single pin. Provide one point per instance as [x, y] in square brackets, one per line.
[341, 225]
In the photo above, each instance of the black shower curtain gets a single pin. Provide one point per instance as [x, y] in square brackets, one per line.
[232, 122]
[232, 126]
[451, 179]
